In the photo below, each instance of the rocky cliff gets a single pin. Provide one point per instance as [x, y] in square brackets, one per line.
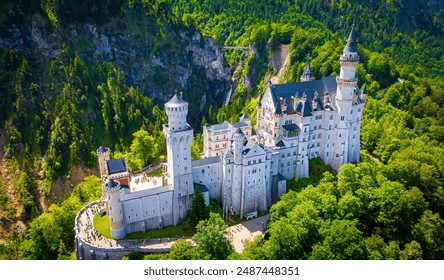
[157, 59]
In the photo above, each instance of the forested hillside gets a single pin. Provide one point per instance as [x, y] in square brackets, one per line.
[76, 75]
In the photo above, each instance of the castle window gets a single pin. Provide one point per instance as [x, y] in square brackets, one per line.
[319, 135]
[359, 109]
[328, 137]
[340, 135]
[331, 117]
[327, 153]
[203, 171]
[342, 118]
[110, 208]
[351, 112]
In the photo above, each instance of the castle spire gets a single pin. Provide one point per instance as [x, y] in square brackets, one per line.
[351, 45]
[306, 74]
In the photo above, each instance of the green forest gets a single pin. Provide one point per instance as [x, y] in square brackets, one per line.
[58, 105]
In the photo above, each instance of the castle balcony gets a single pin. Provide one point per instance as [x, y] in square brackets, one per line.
[349, 60]
[348, 82]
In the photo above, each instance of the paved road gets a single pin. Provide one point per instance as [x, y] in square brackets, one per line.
[248, 230]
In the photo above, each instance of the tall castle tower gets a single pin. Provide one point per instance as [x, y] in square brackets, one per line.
[112, 196]
[237, 195]
[346, 89]
[103, 156]
[179, 175]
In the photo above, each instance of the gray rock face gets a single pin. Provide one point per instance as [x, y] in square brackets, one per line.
[210, 57]
[181, 61]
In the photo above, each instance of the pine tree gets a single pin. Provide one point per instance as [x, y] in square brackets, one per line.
[199, 209]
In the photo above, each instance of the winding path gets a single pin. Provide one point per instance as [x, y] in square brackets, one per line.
[85, 231]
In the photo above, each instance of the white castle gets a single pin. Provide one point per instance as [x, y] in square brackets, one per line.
[245, 170]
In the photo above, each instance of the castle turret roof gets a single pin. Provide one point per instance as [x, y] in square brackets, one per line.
[243, 118]
[102, 150]
[364, 90]
[306, 74]
[352, 42]
[111, 183]
[175, 100]
[238, 131]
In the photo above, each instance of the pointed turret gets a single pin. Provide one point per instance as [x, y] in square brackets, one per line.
[306, 74]
[351, 45]
[364, 93]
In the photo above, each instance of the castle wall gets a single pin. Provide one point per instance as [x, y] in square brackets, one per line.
[148, 212]
[211, 176]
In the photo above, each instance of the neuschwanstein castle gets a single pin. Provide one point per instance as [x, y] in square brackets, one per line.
[245, 170]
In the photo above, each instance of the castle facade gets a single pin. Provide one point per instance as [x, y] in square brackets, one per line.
[245, 170]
